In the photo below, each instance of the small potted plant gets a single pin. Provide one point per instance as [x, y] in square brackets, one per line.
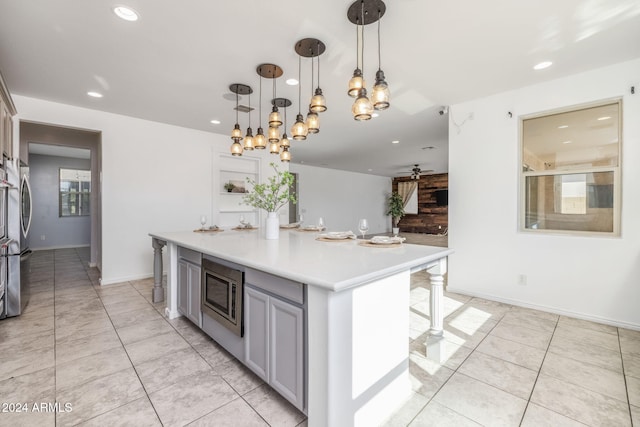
[229, 187]
[396, 210]
[271, 196]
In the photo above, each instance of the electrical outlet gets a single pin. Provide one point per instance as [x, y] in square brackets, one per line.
[439, 227]
[43, 237]
[522, 279]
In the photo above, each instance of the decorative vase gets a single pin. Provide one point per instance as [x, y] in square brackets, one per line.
[272, 226]
[396, 230]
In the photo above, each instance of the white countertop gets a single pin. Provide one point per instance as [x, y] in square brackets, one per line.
[298, 256]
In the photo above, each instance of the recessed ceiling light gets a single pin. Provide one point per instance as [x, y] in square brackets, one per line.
[126, 13]
[567, 142]
[94, 94]
[395, 142]
[563, 126]
[215, 122]
[604, 118]
[292, 82]
[542, 65]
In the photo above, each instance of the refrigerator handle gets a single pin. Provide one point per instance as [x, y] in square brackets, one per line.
[28, 227]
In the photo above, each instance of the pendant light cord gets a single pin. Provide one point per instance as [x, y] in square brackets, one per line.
[299, 84]
[379, 60]
[249, 109]
[318, 52]
[260, 105]
[362, 50]
[312, 80]
[237, 96]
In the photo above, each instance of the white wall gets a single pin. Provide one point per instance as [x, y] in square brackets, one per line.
[342, 198]
[58, 232]
[590, 277]
[155, 177]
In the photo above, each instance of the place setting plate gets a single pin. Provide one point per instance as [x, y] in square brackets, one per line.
[383, 242]
[336, 236]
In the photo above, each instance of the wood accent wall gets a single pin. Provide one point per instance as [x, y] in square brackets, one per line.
[430, 215]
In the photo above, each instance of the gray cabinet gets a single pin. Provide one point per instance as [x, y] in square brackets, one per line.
[7, 110]
[275, 334]
[189, 292]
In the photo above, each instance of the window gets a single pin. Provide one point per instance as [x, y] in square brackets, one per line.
[75, 192]
[571, 170]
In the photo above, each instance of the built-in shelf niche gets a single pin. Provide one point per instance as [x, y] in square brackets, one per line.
[235, 170]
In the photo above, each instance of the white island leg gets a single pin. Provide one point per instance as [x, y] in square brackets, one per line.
[158, 291]
[435, 345]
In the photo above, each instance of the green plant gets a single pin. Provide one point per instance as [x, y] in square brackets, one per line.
[396, 207]
[273, 195]
[229, 186]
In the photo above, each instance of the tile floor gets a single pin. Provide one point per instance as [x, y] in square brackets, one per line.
[110, 353]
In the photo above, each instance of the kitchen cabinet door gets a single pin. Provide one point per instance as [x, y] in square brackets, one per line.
[256, 332]
[194, 295]
[183, 287]
[286, 370]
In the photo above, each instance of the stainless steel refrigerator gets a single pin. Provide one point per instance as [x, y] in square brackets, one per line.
[14, 248]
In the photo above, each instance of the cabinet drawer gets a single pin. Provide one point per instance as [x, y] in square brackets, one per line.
[189, 255]
[284, 288]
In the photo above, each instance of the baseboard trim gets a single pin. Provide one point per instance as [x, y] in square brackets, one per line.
[555, 310]
[49, 248]
[115, 280]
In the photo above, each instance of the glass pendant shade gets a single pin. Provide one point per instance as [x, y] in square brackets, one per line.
[362, 108]
[274, 147]
[248, 140]
[274, 134]
[299, 129]
[313, 122]
[274, 118]
[356, 83]
[236, 133]
[284, 142]
[285, 156]
[260, 142]
[236, 149]
[380, 92]
[318, 103]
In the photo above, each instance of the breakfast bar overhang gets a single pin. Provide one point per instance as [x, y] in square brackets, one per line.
[357, 322]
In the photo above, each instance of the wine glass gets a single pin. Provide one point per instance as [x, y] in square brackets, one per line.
[363, 226]
[203, 221]
[320, 224]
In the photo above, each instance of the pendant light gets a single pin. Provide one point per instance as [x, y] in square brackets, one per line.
[380, 93]
[361, 13]
[299, 129]
[248, 139]
[236, 133]
[318, 103]
[260, 142]
[272, 71]
[274, 118]
[284, 103]
[285, 156]
[313, 121]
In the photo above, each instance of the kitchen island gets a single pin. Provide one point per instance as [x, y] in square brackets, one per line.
[356, 317]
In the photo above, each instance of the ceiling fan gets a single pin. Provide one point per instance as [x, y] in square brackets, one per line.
[416, 171]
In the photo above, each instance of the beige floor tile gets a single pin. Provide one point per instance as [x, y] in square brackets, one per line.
[99, 396]
[16, 364]
[138, 413]
[523, 335]
[594, 338]
[83, 328]
[629, 333]
[129, 295]
[273, 407]
[31, 417]
[537, 416]
[89, 368]
[80, 318]
[28, 342]
[437, 415]
[238, 376]
[507, 376]
[493, 308]
[38, 386]
[116, 289]
[191, 398]
[144, 330]
[631, 365]
[585, 352]
[74, 348]
[529, 320]
[633, 386]
[427, 376]
[214, 354]
[469, 324]
[635, 415]
[586, 406]
[513, 352]
[586, 324]
[158, 373]
[458, 337]
[630, 345]
[481, 402]
[234, 414]
[18, 326]
[129, 305]
[134, 317]
[193, 334]
[407, 412]
[155, 347]
[591, 377]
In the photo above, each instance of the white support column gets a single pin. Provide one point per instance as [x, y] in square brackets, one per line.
[435, 346]
[158, 291]
[171, 311]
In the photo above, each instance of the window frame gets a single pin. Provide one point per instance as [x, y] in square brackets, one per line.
[616, 170]
[77, 193]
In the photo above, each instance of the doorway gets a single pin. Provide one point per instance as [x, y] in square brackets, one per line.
[65, 168]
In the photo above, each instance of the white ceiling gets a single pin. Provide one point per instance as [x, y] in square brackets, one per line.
[176, 63]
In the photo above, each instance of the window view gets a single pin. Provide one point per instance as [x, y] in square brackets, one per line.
[75, 192]
[571, 169]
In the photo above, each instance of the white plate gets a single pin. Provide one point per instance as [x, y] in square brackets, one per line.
[383, 240]
[338, 235]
